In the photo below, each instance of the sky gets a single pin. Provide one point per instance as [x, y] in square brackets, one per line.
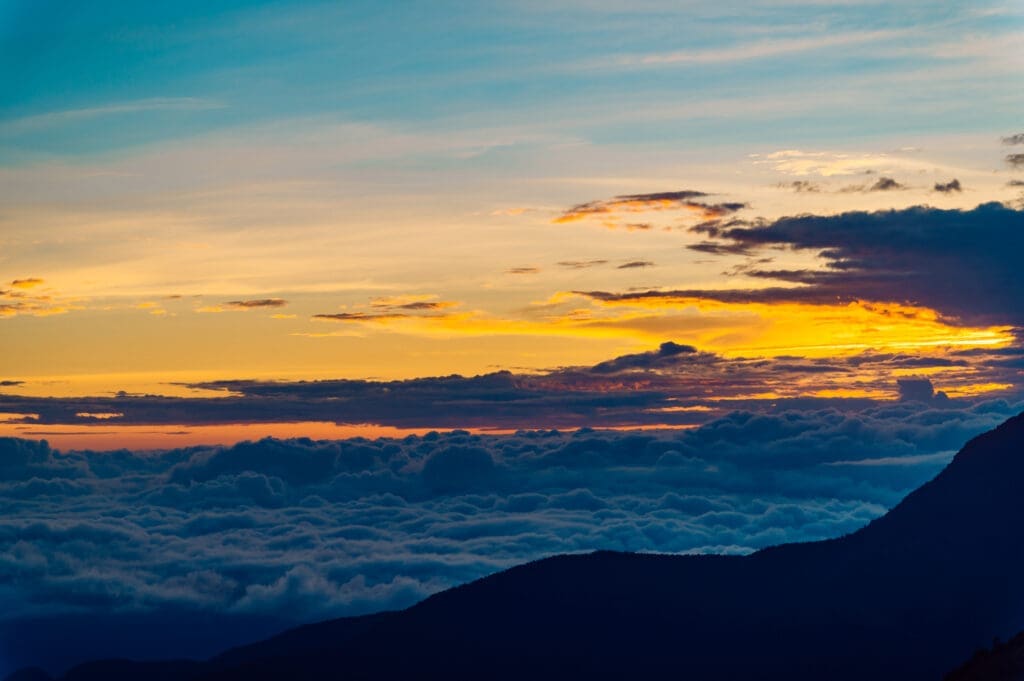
[210, 192]
[322, 307]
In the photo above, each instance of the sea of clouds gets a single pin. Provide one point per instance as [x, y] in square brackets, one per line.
[305, 530]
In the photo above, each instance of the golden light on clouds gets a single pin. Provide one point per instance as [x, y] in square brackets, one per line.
[771, 329]
[609, 212]
[730, 329]
[28, 283]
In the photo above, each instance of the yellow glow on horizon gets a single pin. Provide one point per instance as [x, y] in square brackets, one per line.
[869, 393]
[108, 436]
[929, 371]
[13, 417]
[821, 330]
[973, 389]
[732, 329]
[410, 335]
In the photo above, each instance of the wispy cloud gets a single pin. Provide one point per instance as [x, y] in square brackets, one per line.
[581, 264]
[260, 302]
[391, 308]
[749, 51]
[607, 210]
[57, 118]
[802, 163]
[359, 316]
[243, 305]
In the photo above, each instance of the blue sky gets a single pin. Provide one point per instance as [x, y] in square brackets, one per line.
[99, 77]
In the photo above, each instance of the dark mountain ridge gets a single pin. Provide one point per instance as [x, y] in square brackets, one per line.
[1004, 662]
[910, 596]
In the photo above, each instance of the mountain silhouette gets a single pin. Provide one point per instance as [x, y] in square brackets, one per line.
[910, 596]
[1004, 662]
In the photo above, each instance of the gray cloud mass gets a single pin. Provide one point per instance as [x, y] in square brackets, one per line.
[962, 263]
[323, 528]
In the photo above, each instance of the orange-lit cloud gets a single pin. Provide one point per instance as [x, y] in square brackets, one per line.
[791, 327]
[152, 307]
[30, 282]
[390, 308]
[732, 328]
[360, 316]
[607, 210]
[20, 299]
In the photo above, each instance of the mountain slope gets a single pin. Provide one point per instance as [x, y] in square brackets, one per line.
[908, 597]
[1004, 662]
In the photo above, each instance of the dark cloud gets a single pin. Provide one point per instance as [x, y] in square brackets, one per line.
[648, 360]
[1014, 139]
[635, 264]
[359, 316]
[1015, 160]
[714, 228]
[421, 305]
[962, 263]
[522, 270]
[885, 184]
[738, 296]
[947, 187]
[803, 187]
[715, 248]
[721, 209]
[581, 264]
[684, 195]
[1015, 183]
[261, 302]
[388, 308]
[11, 384]
[918, 390]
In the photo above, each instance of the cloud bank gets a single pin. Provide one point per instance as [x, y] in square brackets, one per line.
[322, 528]
[961, 263]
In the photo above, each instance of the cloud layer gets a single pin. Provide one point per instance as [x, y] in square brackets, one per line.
[321, 528]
